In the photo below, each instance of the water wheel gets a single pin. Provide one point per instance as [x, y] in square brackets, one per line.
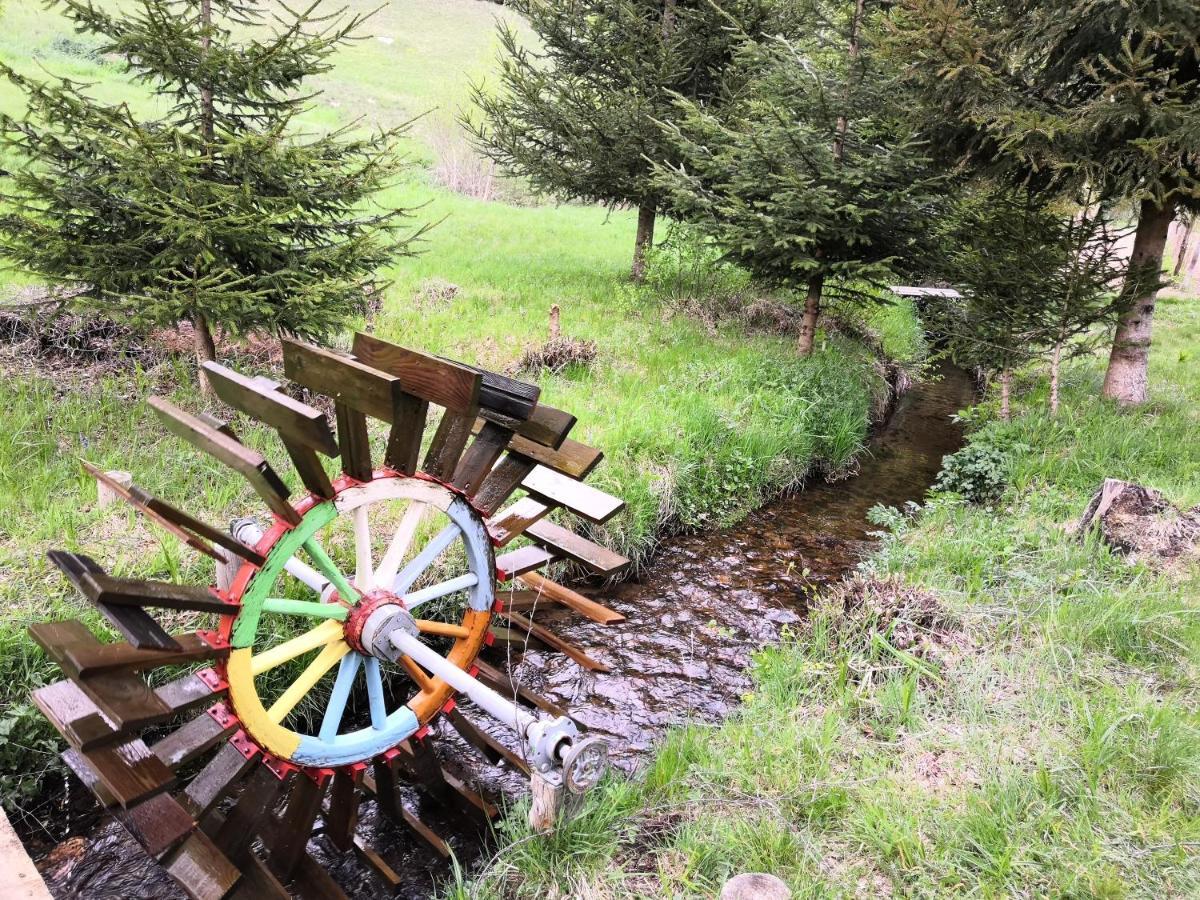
[222, 748]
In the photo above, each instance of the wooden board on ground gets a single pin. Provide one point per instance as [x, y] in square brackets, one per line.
[19, 878]
[583, 605]
[546, 636]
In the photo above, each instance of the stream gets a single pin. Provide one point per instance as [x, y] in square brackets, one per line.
[693, 621]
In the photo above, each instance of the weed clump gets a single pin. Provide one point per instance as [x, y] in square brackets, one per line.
[866, 616]
[557, 355]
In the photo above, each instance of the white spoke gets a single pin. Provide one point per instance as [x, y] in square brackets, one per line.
[425, 558]
[401, 541]
[363, 576]
[461, 583]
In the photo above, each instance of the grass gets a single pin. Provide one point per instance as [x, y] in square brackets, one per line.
[1041, 738]
[700, 421]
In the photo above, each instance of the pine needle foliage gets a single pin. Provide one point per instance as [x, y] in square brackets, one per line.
[1102, 94]
[218, 208]
[578, 114]
[810, 175]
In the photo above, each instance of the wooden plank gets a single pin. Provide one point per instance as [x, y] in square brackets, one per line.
[573, 459]
[504, 400]
[546, 636]
[564, 542]
[75, 716]
[164, 510]
[511, 523]
[342, 816]
[288, 837]
[192, 740]
[173, 528]
[310, 469]
[258, 882]
[19, 878]
[136, 624]
[474, 799]
[250, 464]
[384, 784]
[89, 659]
[546, 427]
[569, 598]
[295, 421]
[314, 883]
[431, 378]
[499, 484]
[582, 499]
[219, 424]
[122, 696]
[502, 682]
[186, 693]
[356, 442]
[343, 378]
[159, 594]
[409, 818]
[159, 824]
[129, 771]
[404, 439]
[203, 871]
[87, 776]
[376, 864]
[260, 792]
[518, 562]
[215, 780]
[484, 742]
[453, 432]
[477, 462]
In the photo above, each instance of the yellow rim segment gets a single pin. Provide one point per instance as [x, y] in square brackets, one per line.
[271, 736]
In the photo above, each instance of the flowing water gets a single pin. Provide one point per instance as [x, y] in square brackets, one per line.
[693, 622]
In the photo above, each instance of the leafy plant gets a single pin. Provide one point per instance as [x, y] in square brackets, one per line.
[977, 472]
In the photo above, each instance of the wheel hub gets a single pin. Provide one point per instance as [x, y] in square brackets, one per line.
[372, 617]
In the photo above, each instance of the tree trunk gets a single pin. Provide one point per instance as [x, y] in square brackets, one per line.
[644, 241]
[843, 123]
[1183, 247]
[1055, 368]
[206, 348]
[812, 311]
[1005, 395]
[1125, 380]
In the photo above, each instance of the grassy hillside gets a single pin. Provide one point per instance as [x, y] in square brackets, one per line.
[699, 421]
[999, 708]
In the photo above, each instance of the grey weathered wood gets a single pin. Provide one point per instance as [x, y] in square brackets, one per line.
[564, 542]
[295, 421]
[517, 562]
[581, 499]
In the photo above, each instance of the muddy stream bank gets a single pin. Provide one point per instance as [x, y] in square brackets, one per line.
[693, 621]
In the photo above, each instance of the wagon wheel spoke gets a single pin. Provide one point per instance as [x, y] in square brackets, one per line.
[433, 592]
[423, 560]
[401, 541]
[323, 634]
[298, 689]
[375, 693]
[329, 569]
[416, 673]
[442, 629]
[364, 575]
[287, 607]
[335, 708]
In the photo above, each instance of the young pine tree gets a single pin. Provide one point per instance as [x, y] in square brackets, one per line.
[809, 176]
[578, 113]
[1097, 93]
[1035, 281]
[218, 209]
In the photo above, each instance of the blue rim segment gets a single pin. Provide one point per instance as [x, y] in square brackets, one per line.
[357, 745]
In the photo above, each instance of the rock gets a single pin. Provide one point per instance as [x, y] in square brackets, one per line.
[755, 886]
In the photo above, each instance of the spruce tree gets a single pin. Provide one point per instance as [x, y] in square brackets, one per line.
[809, 177]
[219, 208]
[1035, 280]
[578, 114]
[1061, 95]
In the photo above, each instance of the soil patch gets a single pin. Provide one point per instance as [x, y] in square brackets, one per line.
[1142, 524]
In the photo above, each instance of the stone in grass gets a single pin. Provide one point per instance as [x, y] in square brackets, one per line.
[755, 886]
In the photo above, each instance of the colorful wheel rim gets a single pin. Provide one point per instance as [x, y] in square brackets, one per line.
[341, 611]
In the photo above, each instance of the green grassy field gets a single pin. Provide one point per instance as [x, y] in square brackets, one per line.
[1026, 726]
[700, 421]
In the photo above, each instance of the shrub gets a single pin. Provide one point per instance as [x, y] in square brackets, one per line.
[978, 472]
